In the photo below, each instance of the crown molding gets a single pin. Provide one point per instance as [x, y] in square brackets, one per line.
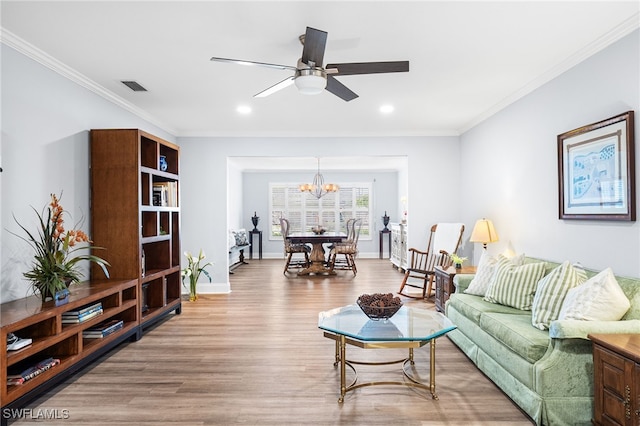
[9, 39]
[625, 28]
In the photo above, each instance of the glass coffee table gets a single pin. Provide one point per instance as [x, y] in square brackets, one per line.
[409, 328]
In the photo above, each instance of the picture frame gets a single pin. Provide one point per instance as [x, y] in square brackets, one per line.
[596, 171]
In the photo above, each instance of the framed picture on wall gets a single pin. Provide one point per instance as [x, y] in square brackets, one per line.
[596, 171]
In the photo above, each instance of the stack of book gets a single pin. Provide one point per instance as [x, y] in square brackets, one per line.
[165, 194]
[31, 372]
[83, 314]
[103, 329]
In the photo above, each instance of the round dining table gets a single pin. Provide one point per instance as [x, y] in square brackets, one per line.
[317, 257]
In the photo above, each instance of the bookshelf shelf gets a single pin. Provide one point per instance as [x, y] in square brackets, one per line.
[42, 322]
[131, 193]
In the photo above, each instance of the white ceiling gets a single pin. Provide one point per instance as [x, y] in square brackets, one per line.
[467, 59]
[386, 163]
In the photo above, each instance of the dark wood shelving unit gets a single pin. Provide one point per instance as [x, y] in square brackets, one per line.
[141, 234]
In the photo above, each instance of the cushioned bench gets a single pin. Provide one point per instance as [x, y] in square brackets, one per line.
[237, 244]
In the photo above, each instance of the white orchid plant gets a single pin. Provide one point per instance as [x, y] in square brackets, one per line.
[193, 271]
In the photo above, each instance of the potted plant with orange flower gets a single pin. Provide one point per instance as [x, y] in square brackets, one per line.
[57, 251]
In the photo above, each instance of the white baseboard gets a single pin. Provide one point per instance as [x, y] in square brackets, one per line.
[210, 288]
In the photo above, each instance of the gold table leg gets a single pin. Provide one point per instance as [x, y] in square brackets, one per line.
[341, 359]
[343, 373]
[432, 370]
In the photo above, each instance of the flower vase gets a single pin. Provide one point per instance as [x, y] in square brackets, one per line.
[255, 219]
[458, 265]
[46, 294]
[50, 291]
[193, 294]
[385, 221]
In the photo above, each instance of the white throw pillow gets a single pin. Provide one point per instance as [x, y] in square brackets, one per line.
[480, 282]
[551, 292]
[599, 299]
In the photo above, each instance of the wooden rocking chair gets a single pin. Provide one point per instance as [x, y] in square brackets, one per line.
[444, 239]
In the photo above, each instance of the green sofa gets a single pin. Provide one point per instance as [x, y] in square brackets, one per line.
[548, 373]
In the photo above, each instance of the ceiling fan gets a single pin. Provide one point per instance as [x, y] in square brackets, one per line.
[309, 75]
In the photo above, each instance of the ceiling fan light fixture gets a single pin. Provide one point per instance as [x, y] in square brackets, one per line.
[311, 81]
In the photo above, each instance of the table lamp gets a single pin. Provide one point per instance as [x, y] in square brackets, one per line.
[484, 232]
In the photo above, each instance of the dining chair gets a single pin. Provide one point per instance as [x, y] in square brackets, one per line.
[291, 249]
[444, 239]
[348, 248]
[346, 241]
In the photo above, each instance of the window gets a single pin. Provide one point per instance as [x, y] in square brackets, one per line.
[332, 211]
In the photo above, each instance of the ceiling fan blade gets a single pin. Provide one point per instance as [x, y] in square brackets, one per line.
[369, 67]
[339, 89]
[314, 45]
[276, 87]
[253, 63]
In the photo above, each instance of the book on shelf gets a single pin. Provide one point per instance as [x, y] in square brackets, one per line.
[81, 318]
[160, 192]
[85, 310]
[14, 342]
[103, 329]
[32, 371]
[165, 194]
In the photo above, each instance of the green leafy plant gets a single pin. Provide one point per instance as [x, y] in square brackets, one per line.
[193, 271]
[457, 260]
[57, 251]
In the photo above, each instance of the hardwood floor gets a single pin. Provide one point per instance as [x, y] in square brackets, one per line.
[257, 357]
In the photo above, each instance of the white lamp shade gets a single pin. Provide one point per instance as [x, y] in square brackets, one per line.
[310, 84]
[484, 232]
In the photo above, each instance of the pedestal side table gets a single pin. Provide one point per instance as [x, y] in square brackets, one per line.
[259, 234]
[382, 233]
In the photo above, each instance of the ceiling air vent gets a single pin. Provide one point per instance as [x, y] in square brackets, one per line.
[134, 85]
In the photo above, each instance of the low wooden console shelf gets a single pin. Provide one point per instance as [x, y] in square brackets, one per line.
[42, 322]
[616, 368]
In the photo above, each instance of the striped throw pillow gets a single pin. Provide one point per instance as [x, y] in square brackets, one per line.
[514, 285]
[551, 292]
[480, 282]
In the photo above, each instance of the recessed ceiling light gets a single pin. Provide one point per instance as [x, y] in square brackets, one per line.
[386, 109]
[244, 109]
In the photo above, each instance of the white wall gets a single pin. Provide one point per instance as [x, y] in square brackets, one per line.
[509, 164]
[255, 195]
[204, 162]
[46, 120]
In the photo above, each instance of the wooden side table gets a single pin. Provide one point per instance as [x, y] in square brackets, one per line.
[444, 283]
[616, 386]
[259, 234]
[382, 233]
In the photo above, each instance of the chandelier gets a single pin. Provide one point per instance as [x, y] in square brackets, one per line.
[318, 188]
